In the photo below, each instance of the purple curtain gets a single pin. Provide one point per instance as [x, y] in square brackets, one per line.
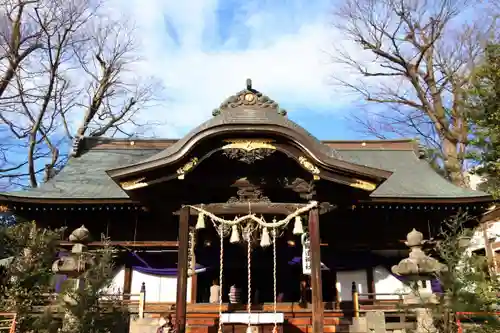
[160, 271]
[146, 268]
[298, 261]
[435, 284]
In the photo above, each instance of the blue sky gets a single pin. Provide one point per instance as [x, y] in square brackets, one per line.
[203, 51]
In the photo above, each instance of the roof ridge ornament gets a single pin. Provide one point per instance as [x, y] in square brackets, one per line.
[76, 145]
[251, 98]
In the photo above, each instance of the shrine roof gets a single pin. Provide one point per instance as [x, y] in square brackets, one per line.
[84, 178]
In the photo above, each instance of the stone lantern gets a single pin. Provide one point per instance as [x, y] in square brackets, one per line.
[74, 266]
[79, 260]
[416, 268]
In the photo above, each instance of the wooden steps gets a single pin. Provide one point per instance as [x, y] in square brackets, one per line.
[294, 323]
[7, 322]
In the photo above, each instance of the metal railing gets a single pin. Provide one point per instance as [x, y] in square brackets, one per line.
[471, 316]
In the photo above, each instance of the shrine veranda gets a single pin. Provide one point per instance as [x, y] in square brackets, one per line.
[165, 203]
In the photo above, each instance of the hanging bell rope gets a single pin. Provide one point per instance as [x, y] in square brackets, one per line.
[275, 288]
[265, 241]
[221, 276]
[249, 286]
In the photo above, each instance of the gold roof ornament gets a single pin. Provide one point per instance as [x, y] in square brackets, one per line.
[181, 172]
[309, 166]
[248, 145]
[250, 98]
[364, 185]
[134, 184]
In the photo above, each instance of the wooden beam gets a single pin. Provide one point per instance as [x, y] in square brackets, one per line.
[316, 283]
[182, 272]
[276, 208]
[128, 243]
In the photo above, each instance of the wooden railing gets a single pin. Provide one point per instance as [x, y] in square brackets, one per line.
[366, 301]
[124, 298]
[7, 322]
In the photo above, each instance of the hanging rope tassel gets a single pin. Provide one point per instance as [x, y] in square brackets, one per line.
[298, 229]
[265, 240]
[200, 223]
[235, 235]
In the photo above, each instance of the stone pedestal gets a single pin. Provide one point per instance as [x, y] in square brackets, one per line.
[144, 325]
[372, 322]
[375, 321]
[425, 321]
[359, 325]
[422, 304]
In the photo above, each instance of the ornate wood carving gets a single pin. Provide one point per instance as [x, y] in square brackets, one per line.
[248, 151]
[247, 192]
[181, 172]
[309, 166]
[326, 207]
[305, 189]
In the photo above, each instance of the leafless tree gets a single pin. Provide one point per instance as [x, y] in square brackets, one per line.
[67, 71]
[414, 58]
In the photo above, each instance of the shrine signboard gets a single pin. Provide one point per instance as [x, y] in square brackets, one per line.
[306, 255]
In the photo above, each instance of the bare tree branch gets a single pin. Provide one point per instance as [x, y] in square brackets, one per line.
[422, 53]
[63, 63]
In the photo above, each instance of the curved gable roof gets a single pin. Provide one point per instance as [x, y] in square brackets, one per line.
[84, 178]
[249, 111]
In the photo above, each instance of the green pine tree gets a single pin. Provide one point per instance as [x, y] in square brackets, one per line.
[28, 279]
[94, 311]
[467, 282]
[485, 118]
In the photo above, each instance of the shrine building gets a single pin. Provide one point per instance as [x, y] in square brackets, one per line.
[249, 198]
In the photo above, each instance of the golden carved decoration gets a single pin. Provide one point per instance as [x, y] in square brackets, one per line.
[364, 185]
[181, 172]
[134, 184]
[309, 167]
[248, 151]
[249, 97]
[249, 145]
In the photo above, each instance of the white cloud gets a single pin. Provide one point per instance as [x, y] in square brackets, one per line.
[285, 54]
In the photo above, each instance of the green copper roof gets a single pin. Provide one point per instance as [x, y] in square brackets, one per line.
[85, 177]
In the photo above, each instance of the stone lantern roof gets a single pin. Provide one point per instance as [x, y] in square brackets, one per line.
[418, 265]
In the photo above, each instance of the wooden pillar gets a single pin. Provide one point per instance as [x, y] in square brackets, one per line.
[316, 285]
[194, 287]
[127, 281]
[371, 283]
[182, 271]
